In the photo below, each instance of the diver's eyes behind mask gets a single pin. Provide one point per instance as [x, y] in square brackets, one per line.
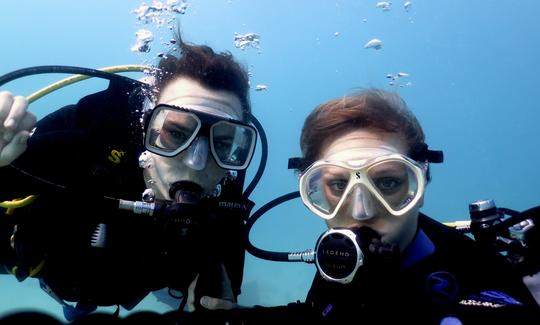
[393, 180]
[172, 130]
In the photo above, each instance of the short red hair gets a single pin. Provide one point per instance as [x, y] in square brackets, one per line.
[370, 109]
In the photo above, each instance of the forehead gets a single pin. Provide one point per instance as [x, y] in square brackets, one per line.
[364, 138]
[188, 93]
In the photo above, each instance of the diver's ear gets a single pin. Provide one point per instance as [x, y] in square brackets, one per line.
[230, 176]
[216, 191]
[427, 176]
[421, 202]
[427, 172]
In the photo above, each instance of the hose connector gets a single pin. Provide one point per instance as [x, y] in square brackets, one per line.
[307, 256]
[137, 207]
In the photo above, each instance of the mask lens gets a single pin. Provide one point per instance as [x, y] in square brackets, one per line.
[172, 131]
[395, 181]
[325, 186]
[232, 144]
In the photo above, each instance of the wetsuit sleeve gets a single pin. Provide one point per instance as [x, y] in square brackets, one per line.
[62, 150]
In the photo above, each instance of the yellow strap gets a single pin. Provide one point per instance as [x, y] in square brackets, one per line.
[33, 271]
[18, 203]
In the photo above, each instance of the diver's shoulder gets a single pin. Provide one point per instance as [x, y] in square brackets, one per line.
[444, 236]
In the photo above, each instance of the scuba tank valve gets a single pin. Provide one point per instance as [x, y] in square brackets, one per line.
[484, 217]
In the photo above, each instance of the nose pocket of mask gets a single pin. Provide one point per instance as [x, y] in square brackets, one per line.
[196, 157]
[362, 203]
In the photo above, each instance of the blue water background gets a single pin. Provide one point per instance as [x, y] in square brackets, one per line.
[473, 70]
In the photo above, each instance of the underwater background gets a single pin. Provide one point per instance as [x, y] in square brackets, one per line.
[469, 70]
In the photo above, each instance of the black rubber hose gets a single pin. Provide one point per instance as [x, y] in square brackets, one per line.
[264, 157]
[260, 253]
[44, 69]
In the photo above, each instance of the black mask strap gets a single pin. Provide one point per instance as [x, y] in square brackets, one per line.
[422, 153]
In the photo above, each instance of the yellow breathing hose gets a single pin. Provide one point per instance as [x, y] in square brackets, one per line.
[79, 77]
[463, 226]
[458, 224]
[10, 205]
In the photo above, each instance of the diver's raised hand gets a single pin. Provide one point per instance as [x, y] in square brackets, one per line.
[16, 122]
[225, 301]
[211, 303]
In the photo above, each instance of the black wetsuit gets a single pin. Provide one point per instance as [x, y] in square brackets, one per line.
[446, 279]
[458, 279]
[77, 156]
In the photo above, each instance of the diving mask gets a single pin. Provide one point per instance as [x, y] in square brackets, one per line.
[172, 130]
[357, 179]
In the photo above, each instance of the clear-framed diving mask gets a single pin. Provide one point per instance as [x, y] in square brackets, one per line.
[359, 179]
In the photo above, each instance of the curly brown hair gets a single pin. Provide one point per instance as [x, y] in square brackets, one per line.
[217, 71]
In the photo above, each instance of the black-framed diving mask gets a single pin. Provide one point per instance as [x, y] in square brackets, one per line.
[359, 179]
[171, 130]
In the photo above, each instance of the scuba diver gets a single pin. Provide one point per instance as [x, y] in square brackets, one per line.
[364, 171]
[71, 208]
